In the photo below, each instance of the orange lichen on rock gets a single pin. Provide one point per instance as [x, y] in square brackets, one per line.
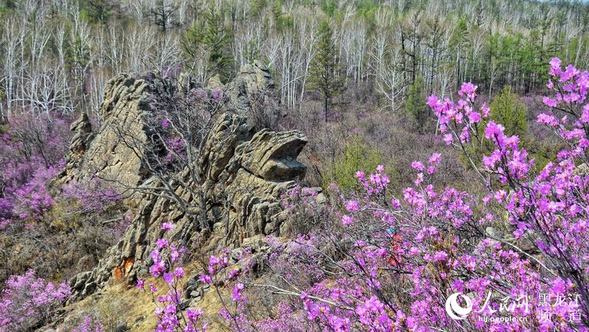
[123, 269]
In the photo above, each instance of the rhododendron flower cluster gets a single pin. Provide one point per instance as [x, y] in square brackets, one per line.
[94, 195]
[166, 265]
[217, 95]
[28, 300]
[32, 199]
[218, 273]
[222, 272]
[31, 153]
[376, 183]
[548, 207]
[89, 324]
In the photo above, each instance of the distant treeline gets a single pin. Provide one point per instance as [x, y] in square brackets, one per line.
[57, 55]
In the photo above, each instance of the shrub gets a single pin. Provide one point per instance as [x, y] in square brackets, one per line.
[166, 258]
[94, 196]
[356, 155]
[415, 105]
[32, 200]
[508, 110]
[89, 323]
[27, 301]
[75, 230]
[31, 152]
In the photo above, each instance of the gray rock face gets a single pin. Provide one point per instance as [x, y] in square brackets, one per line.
[113, 154]
[272, 156]
[82, 130]
[244, 171]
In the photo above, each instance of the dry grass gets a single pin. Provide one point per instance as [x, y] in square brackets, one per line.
[124, 305]
[114, 306]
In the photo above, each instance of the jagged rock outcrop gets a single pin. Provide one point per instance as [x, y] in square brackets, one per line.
[252, 93]
[114, 154]
[243, 170]
[82, 129]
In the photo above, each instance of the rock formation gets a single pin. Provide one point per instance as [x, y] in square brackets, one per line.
[243, 170]
[112, 154]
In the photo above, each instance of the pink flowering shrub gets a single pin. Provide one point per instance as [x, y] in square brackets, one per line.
[32, 199]
[547, 208]
[27, 301]
[166, 258]
[89, 323]
[513, 258]
[94, 196]
[221, 272]
[31, 153]
[6, 212]
[217, 95]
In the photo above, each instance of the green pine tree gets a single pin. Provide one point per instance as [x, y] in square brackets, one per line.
[329, 7]
[214, 38]
[324, 74]
[508, 110]
[415, 104]
[357, 155]
[282, 20]
[98, 11]
[8, 4]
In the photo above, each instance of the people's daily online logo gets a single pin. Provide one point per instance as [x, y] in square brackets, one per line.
[456, 310]
[503, 309]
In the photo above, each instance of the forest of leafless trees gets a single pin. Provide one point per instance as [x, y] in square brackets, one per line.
[57, 55]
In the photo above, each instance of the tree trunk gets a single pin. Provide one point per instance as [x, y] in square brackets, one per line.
[326, 106]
